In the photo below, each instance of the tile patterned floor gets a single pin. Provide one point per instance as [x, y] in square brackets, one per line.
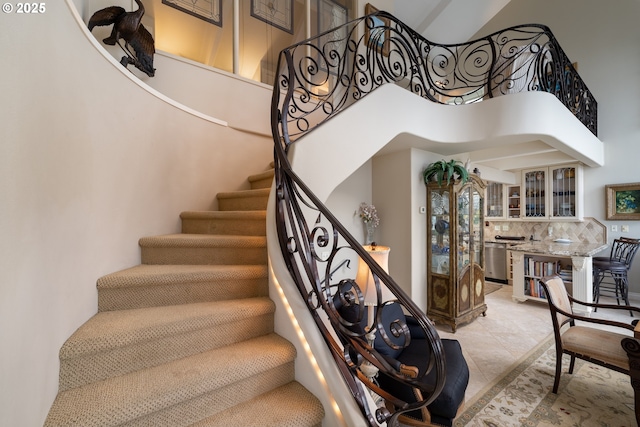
[492, 344]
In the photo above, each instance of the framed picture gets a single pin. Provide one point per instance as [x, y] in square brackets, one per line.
[623, 201]
[278, 13]
[380, 32]
[207, 10]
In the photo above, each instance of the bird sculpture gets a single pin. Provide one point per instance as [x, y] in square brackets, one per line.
[128, 26]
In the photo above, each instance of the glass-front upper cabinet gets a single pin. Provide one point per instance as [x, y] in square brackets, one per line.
[534, 184]
[553, 192]
[513, 202]
[495, 200]
[565, 183]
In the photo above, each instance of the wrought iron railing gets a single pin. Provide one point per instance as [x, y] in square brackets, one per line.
[318, 78]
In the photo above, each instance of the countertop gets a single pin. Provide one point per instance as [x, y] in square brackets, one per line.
[508, 242]
[559, 249]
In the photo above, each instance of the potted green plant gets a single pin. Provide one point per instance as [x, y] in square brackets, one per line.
[445, 171]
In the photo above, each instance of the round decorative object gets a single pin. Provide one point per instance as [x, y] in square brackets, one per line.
[464, 293]
[441, 226]
[478, 287]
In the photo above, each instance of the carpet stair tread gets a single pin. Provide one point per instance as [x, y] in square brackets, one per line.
[157, 275]
[255, 199]
[187, 337]
[183, 240]
[118, 400]
[262, 180]
[239, 194]
[250, 222]
[119, 342]
[189, 249]
[161, 285]
[126, 327]
[308, 410]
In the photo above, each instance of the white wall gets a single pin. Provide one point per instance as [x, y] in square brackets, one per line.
[345, 200]
[90, 161]
[244, 103]
[603, 38]
[392, 196]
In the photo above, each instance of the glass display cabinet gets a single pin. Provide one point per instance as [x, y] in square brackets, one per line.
[455, 252]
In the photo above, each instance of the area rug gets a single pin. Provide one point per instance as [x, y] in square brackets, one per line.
[592, 396]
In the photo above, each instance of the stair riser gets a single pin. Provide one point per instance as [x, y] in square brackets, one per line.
[180, 293]
[191, 411]
[121, 360]
[243, 203]
[236, 227]
[262, 183]
[204, 256]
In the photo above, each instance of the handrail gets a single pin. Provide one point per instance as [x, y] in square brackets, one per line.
[318, 78]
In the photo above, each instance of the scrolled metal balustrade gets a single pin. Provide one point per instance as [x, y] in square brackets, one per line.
[318, 78]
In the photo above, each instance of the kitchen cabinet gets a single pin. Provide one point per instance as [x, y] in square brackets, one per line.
[534, 189]
[572, 261]
[513, 201]
[552, 193]
[455, 252]
[566, 192]
[495, 201]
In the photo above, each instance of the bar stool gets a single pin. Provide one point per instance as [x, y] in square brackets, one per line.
[610, 273]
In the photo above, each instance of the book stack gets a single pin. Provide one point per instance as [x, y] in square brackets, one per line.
[541, 268]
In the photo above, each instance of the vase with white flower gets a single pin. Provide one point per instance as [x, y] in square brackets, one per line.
[369, 216]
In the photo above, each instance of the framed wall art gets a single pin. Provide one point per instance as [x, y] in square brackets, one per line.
[331, 15]
[379, 32]
[278, 13]
[623, 201]
[207, 10]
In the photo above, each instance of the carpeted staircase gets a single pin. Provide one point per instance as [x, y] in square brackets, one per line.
[186, 338]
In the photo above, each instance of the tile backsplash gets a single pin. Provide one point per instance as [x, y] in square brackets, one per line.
[588, 231]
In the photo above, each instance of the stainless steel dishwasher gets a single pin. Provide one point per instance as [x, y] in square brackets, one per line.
[496, 262]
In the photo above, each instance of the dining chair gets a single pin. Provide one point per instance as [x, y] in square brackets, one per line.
[584, 341]
[614, 347]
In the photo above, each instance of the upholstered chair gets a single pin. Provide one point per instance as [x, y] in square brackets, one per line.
[443, 410]
[584, 341]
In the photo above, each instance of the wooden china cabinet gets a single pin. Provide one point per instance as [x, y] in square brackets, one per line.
[455, 252]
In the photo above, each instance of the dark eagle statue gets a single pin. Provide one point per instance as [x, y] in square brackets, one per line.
[128, 26]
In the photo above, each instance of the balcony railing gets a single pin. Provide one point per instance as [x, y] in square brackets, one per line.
[320, 77]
